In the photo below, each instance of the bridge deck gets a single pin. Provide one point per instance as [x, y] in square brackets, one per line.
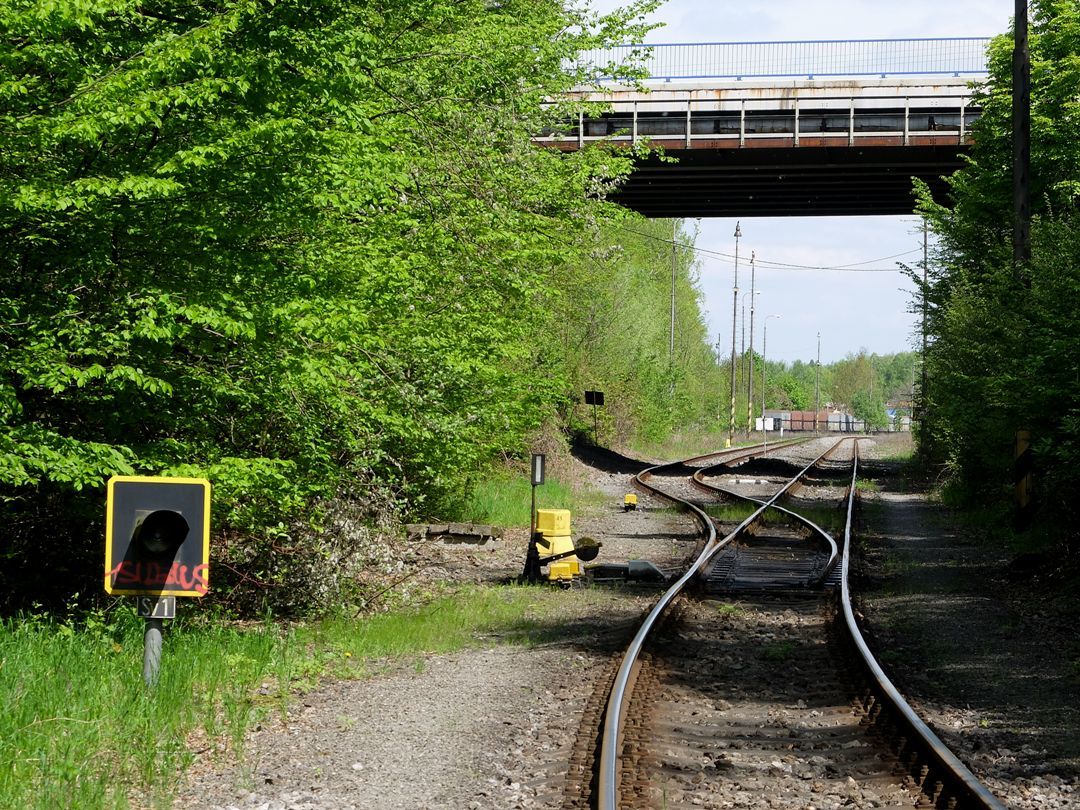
[790, 148]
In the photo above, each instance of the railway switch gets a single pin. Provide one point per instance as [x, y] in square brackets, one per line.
[553, 522]
[554, 525]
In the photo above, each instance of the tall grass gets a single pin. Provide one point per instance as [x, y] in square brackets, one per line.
[80, 729]
[685, 444]
[503, 499]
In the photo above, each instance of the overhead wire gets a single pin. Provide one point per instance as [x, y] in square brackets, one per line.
[853, 267]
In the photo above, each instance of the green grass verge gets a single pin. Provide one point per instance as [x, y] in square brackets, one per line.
[80, 729]
[78, 725]
[905, 455]
[687, 443]
[503, 499]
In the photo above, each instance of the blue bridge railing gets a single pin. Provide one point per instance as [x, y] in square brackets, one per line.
[806, 59]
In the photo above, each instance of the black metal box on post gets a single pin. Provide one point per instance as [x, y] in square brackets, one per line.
[596, 399]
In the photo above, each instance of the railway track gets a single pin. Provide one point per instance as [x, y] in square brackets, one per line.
[749, 683]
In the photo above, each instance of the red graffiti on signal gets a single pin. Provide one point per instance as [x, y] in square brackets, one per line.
[152, 574]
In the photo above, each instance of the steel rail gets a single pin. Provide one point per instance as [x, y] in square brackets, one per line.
[618, 698]
[731, 456]
[971, 792]
[834, 550]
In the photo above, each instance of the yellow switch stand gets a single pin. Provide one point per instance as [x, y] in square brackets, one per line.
[554, 524]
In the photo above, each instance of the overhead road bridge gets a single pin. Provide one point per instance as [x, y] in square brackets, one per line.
[786, 128]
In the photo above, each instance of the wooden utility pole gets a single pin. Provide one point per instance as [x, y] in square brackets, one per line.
[1021, 114]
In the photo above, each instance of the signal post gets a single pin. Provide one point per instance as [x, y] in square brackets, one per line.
[157, 547]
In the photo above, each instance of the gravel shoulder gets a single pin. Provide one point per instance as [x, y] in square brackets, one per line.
[491, 727]
[472, 729]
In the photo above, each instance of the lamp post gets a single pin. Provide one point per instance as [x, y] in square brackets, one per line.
[764, 348]
[750, 373]
[734, 318]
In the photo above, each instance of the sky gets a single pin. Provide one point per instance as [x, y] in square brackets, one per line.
[851, 310]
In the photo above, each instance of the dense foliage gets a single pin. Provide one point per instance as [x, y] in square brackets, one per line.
[1004, 339]
[305, 249]
[614, 329]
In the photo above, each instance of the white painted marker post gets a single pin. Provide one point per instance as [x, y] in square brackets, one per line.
[537, 480]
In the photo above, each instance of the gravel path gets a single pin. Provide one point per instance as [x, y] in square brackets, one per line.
[474, 730]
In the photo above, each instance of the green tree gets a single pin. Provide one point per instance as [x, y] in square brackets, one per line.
[870, 410]
[895, 375]
[1003, 348]
[613, 322]
[789, 391]
[303, 248]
